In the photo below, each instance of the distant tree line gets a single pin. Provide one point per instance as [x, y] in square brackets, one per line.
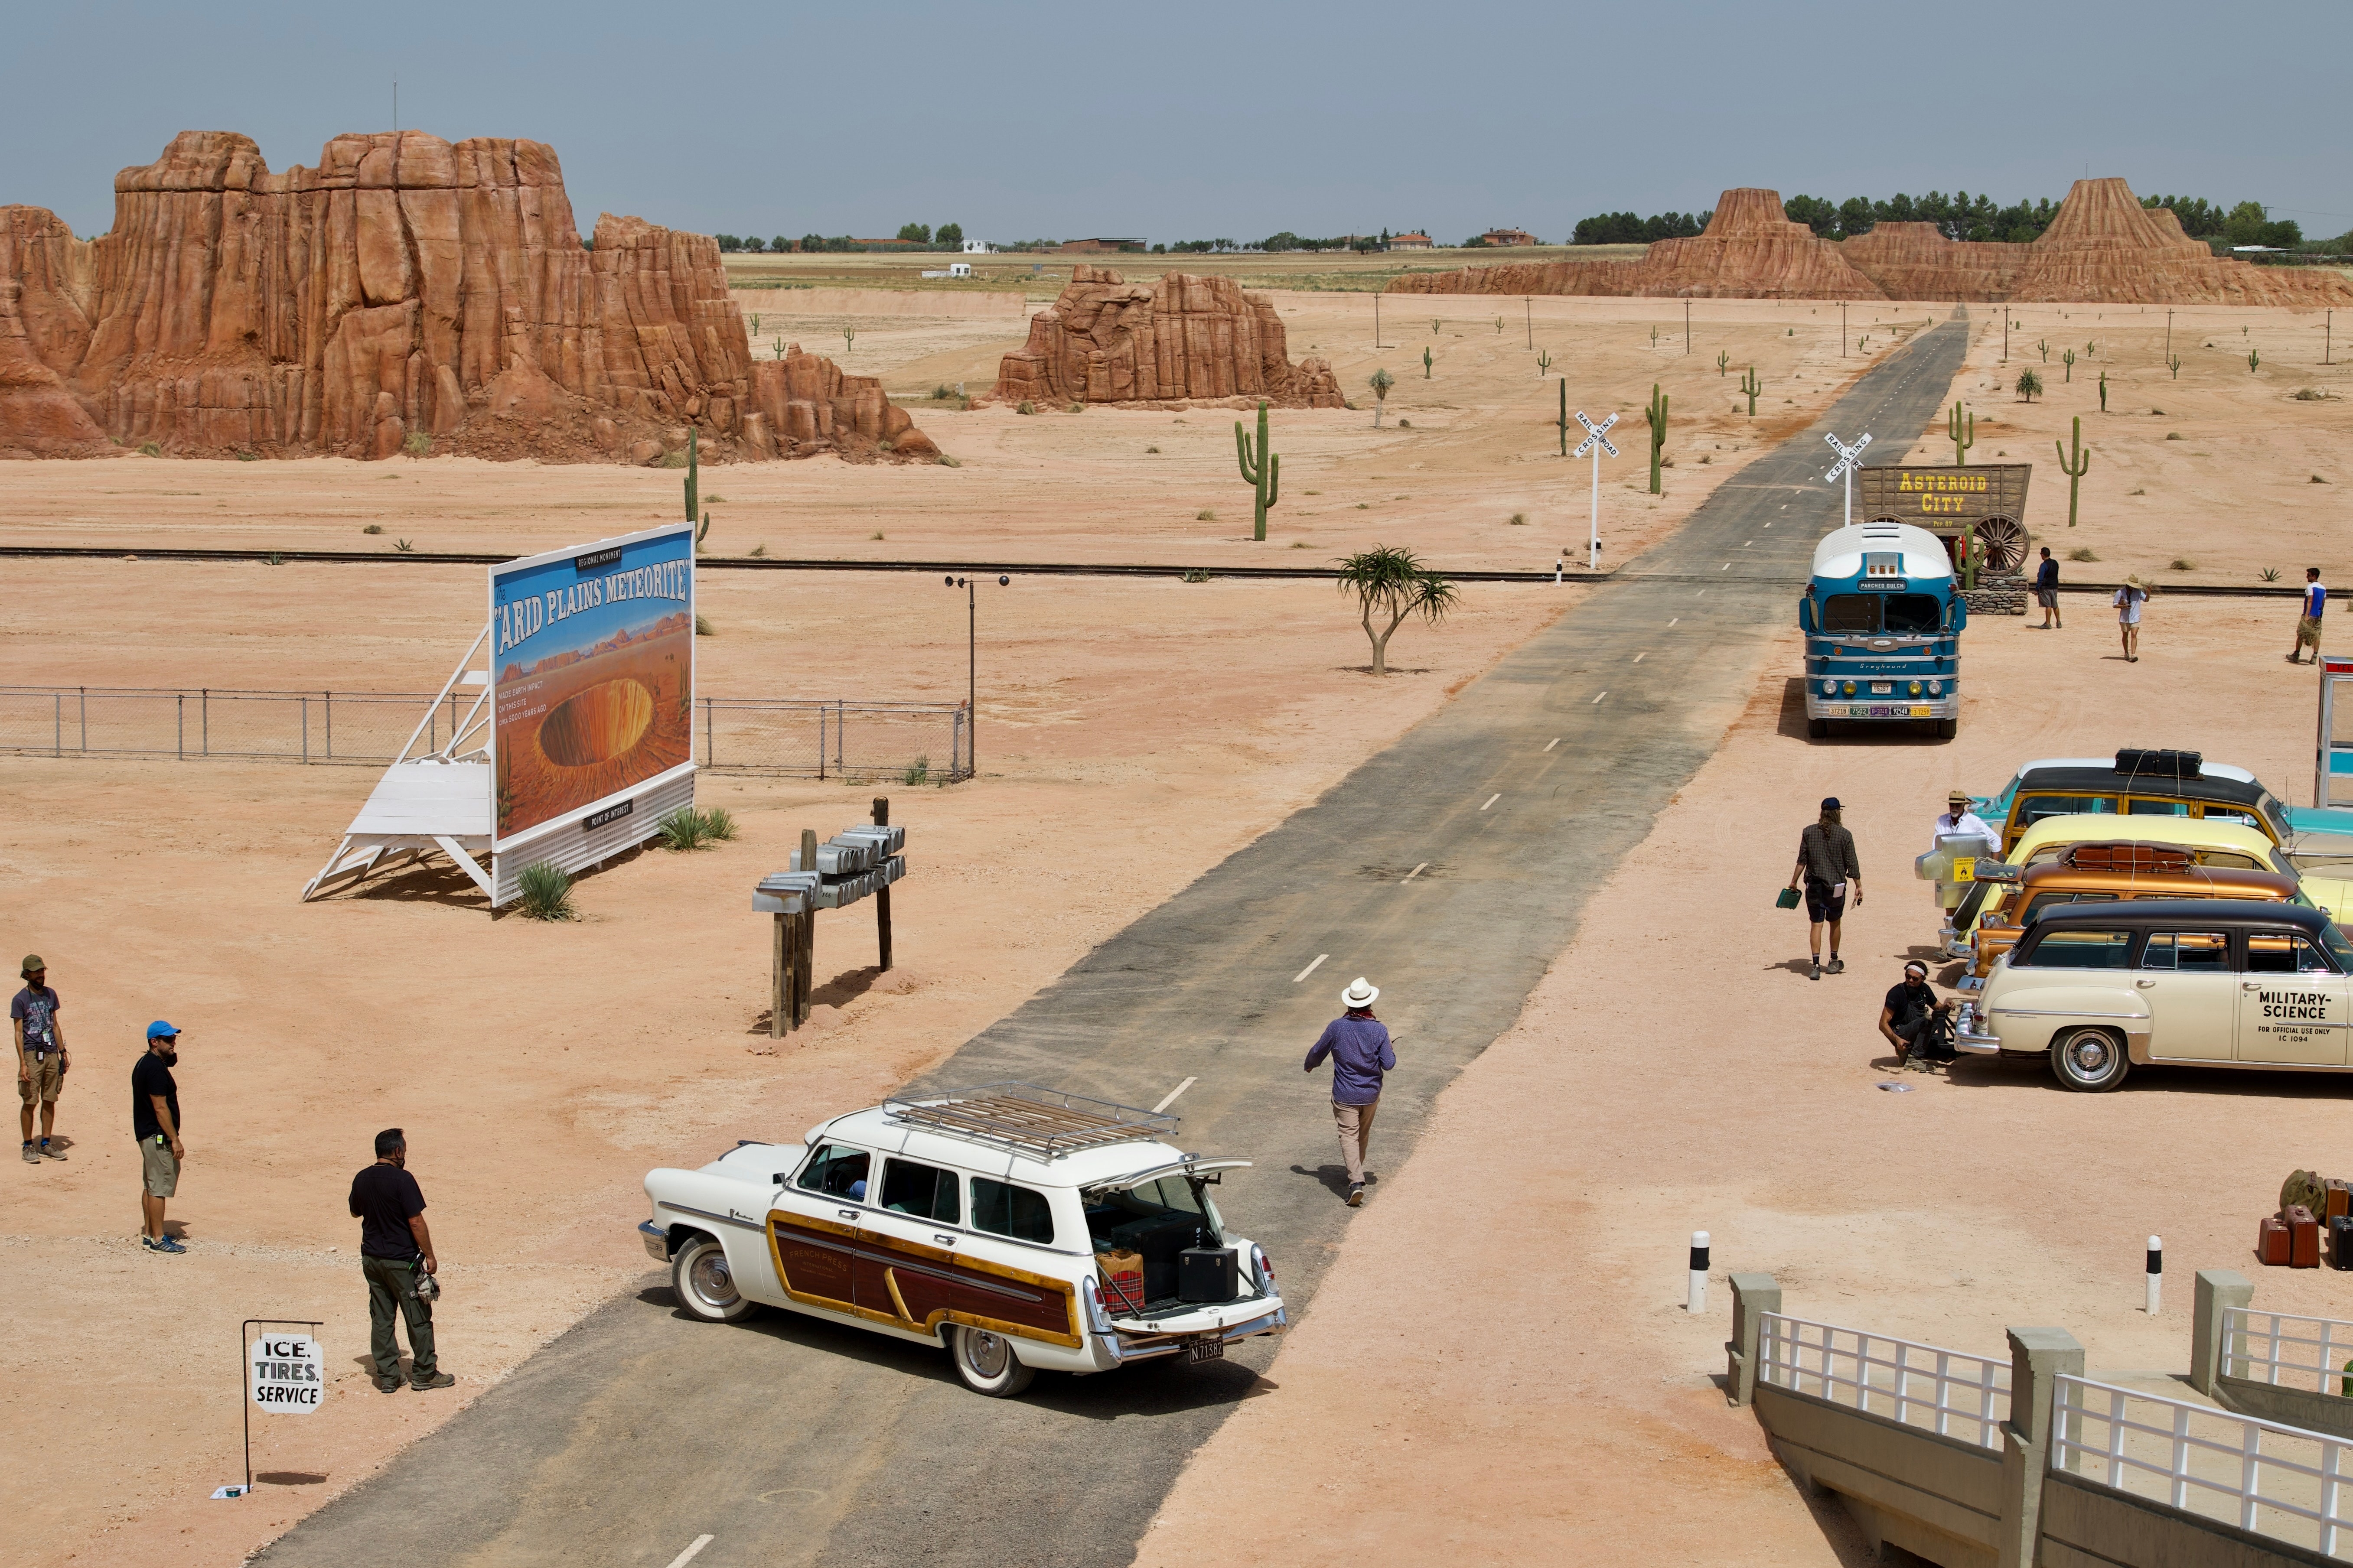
[916, 236]
[1632, 228]
[1963, 217]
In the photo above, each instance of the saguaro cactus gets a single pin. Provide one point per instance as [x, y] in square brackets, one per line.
[1425, 364]
[1723, 360]
[1655, 416]
[1262, 470]
[848, 336]
[2068, 359]
[2254, 358]
[1544, 360]
[2173, 364]
[2073, 467]
[693, 477]
[2104, 392]
[1751, 387]
[2044, 344]
[1961, 430]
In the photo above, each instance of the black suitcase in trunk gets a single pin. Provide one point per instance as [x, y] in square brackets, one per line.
[1208, 1274]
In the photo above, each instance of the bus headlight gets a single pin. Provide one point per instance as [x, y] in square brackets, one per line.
[1830, 689]
[1915, 688]
[1850, 689]
[1935, 689]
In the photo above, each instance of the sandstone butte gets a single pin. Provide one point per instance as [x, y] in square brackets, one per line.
[2102, 247]
[405, 288]
[1186, 337]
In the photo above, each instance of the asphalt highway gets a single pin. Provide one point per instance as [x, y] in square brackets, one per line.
[1450, 868]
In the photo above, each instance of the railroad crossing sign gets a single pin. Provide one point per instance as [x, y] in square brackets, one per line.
[1597, 441]
[1848, 459]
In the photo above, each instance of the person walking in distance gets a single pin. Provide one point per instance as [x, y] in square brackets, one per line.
[41, 1056]
[2308, 624]
[2046, 592]
[1358, 1045]
[2128, 601]
[396, 1257]
[1826, 865]
[155, 1122]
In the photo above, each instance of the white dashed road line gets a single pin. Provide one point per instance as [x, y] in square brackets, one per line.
[1677, 619]
[687, 1556]
[1177, 1090]
[1599, 695]
[1551, 743]
[1310, 969]
[1639, 657]
[1410, 876]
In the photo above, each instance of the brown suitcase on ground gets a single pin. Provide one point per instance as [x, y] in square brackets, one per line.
[2272, 1242]
[2303, 1238]
[2339, 1198]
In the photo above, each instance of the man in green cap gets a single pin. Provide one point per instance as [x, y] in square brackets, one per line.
[41, 1056]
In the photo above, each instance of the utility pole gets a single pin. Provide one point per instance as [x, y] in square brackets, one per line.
[1376, 319]
[1841, 329]
[2168, 335]
[1529, 306]
[1686, 326]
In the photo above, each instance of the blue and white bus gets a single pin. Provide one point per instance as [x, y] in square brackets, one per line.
[1883, 618]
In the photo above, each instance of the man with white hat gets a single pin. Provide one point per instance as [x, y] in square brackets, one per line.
[1358, 1045]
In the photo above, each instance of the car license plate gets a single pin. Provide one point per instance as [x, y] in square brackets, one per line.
[1920, 712]
[1883, 688]
[1207, 1347]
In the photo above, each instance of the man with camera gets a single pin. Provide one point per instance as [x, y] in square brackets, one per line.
[397, 1256]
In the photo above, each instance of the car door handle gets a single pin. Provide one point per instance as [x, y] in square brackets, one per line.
[847, 1213]
[2144, 985]
[2250, 986]
[943, 1240]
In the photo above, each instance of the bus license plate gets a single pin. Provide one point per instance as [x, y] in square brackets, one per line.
[1208, 1347]
[1883, 688]
[1921, 713]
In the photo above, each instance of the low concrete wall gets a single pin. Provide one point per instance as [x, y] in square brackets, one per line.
[2289, 1406]
[2086, 1525]
[1938, 1496]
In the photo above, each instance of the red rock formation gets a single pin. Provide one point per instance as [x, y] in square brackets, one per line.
[2102, 246]
[405, 288]
[1185, 337]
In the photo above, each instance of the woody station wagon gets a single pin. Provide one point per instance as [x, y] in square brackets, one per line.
[1020, 1228]
[2099, 989]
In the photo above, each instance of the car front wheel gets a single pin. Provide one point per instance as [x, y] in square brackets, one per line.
[703, 1283]
[2090, 1060]
[986, 1362]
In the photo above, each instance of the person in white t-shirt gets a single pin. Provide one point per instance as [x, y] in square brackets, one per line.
[1959, 819]
[2128, 601]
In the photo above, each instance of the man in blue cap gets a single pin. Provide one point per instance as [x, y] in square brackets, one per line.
[155, 1122]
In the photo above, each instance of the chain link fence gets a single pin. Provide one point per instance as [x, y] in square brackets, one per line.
[915, 742]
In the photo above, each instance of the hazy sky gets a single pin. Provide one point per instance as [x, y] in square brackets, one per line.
[1178, 121]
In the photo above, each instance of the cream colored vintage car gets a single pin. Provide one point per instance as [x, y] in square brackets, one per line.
[2099, 989]
[1020, 1227]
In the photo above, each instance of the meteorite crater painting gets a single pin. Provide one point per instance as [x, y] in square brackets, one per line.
[595, 676]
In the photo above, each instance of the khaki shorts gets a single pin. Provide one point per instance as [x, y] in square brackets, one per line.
[49, 1076]
[160, 1166]
[2308, 631]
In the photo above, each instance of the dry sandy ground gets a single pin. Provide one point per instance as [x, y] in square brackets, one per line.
[1465, 1390]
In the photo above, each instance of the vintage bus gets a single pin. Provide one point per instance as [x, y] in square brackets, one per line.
[1883, 617]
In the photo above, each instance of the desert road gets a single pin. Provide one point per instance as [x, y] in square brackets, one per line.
[1450, 868]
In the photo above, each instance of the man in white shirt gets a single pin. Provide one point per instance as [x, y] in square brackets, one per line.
[1959, 818]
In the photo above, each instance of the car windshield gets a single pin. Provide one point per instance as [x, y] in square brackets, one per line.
[2338, 948]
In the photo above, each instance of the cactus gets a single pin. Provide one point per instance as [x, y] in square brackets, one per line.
[1723, 360]
[1564, 417]
[1751, 387]
[1655, 416]
[702, 532]
[1425, 364]
[1499, 323]
[2104, 392]
[2174, 365]
[2091, 348]
[2074, 466]
[1971, 552]
[1654, 337]
[1262, 471]
[848, 336]
[755, 323]
[1544, 360]
[1961, 430]
[1380, 382]
[2254, 358]
[1433, 326]
[779, 345]
[2046, 346]
[694, 476]
[2068, 359]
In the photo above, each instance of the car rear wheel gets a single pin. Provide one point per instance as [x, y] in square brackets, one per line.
[2090, 1060]
[985, 1362]
[704, 1285]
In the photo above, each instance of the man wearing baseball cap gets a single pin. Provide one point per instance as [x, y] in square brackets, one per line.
[1358, 1045]
[41, 1056]
[1826, 865]
[155, 1122]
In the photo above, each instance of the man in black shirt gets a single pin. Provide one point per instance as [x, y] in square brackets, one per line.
[155, 1122]
[397, 1255]
[2046, 592]
[1910, 1019]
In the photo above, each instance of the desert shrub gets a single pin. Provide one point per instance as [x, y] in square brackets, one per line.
[1299, 545]
[672, 460]
[275, 559]
[1196, 577]
[719, 822]
[404, 546]
[917, 770]
[373, 527]
[888, 443]
[682, 829]
[1026, 407]
[2173, 435]
[942, 394]
[1205, 515]
[2082, 552]
[759, 552]
[1152, 449]
[544, 889]
[2318, 480]
[1076, 408]
[702, 627]
[948, 462]
[248, 457]
[2311, 394]
[1519, 520]
[2269, 573]
[418, 444]
[1405, 424]
[876, 534]
[2183, 563]
[149, 449]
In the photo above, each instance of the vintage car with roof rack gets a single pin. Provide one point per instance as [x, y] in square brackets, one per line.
[2108, 871]
[1020, 1228]
[2099, 989]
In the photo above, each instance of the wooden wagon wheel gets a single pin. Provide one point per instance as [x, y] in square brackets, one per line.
[2002, 542]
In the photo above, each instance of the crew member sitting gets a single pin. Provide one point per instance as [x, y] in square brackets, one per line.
[1915, 1022]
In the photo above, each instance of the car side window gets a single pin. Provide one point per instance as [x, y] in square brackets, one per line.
[2142, 807]
[2033, 808]
[2285, 956]
[2187, 952]
[1002, 1209]
[838, 1170]
[925, 1190]
[2077, 950]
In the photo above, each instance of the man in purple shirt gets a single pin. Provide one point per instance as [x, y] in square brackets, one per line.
[1358, 1045]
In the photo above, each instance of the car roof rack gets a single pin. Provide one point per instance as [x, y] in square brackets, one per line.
[1044, 1123]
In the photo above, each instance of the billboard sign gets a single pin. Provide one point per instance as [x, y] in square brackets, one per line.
[592, 677]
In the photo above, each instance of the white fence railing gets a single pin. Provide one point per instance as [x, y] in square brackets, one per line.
[1916, 1385]
[2315, 1354]
[2282, 1481]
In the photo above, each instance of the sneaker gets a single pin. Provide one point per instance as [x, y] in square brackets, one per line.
[48, 1153]
[1357, 1195]
[31, 1157]
[1837, 966]
[1815, 972]
[389, 1384]
[439, 1380]
[165, 1243]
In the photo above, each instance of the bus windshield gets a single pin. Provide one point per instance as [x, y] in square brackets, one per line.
[1914, 615]
[1861, 615]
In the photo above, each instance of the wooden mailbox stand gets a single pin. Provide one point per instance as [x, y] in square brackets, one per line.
[793, 946]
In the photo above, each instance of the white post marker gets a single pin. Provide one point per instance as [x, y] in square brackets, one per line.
[289, 1375]
[1850, 459]
[2156, 1271]
[1695, 1302]
[1597, 441]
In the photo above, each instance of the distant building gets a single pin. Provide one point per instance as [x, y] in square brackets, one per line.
[1512, 236]
[1409, 242]
[953, 269]
[976, 247]
[1098, 247]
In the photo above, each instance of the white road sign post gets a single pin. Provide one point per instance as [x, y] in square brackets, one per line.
[1597, 441]
[1850, 459]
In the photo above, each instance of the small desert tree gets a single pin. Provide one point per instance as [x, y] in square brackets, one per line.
[2029, 384]
[1390, 582]
[1380, 382]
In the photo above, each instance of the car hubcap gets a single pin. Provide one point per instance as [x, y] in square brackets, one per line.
[985, 1354]
[2090, 1054]
[711, 1279]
